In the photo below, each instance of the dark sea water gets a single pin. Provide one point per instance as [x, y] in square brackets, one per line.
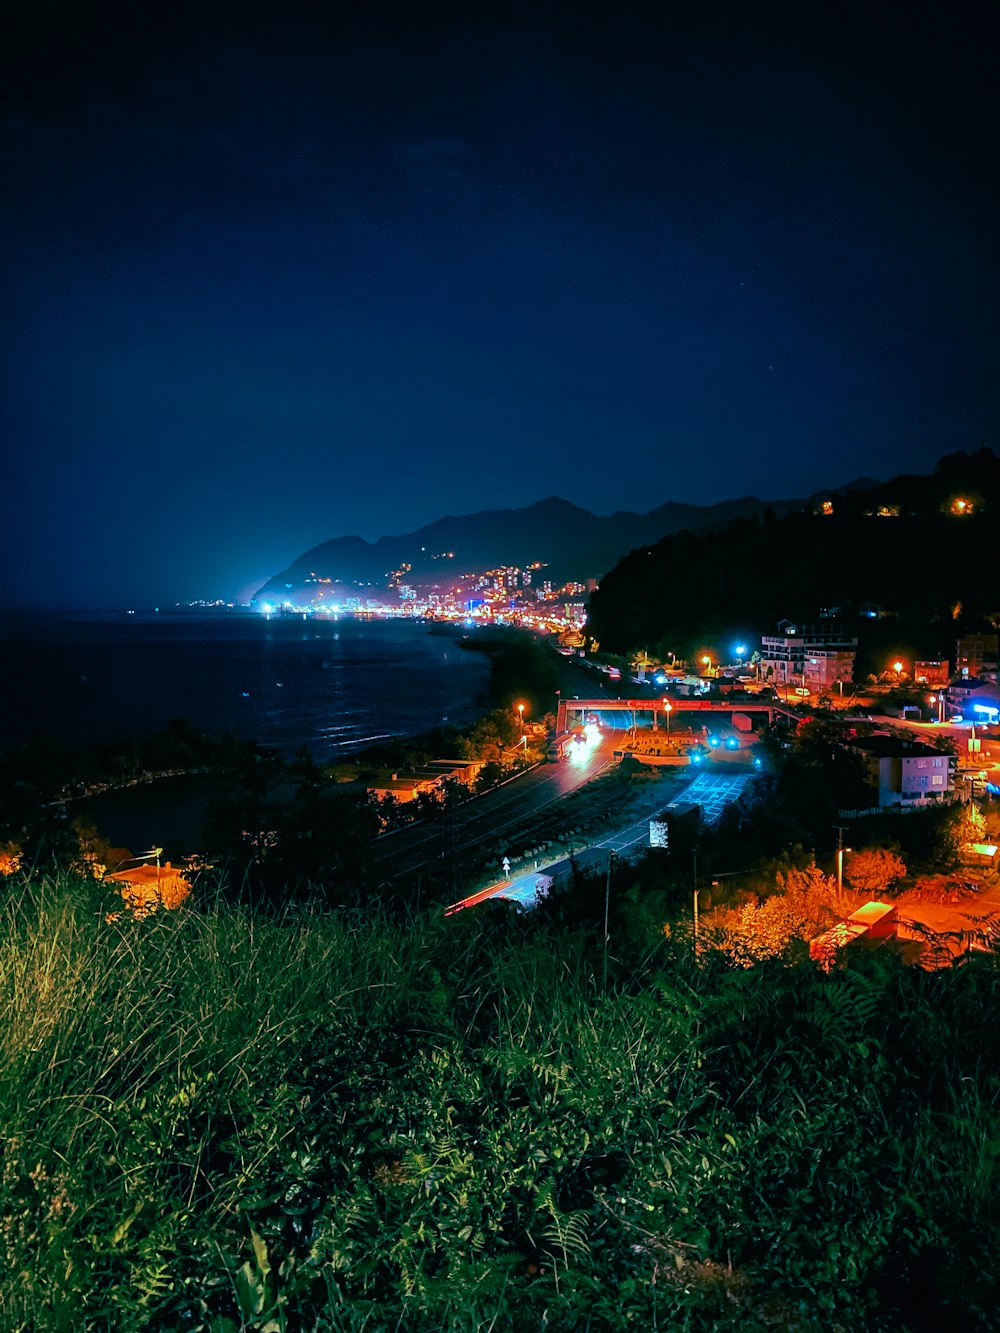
[335, 686]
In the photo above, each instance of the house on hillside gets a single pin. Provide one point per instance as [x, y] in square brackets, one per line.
[146, 889]
[906, 773]
[935, 674]
[405, 790]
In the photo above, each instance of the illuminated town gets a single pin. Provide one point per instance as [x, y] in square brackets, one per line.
[500, 643]
[508, 595]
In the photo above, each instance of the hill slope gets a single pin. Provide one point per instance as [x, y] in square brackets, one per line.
[921, 547]
[573, 542]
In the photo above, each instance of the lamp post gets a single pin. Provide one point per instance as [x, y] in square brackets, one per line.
[840, 858]
[520, 711]
[668, 708]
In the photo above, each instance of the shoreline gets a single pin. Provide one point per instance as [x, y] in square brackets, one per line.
[193, 786]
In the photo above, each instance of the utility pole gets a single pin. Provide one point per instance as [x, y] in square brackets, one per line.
[454, 843]
[607, 899]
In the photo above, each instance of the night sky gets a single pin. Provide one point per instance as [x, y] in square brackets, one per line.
[278, 274]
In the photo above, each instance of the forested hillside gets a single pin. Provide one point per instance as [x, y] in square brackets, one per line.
[921, 548]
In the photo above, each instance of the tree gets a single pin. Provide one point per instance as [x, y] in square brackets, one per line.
[966, 825]
[873, 870]
[805, 903]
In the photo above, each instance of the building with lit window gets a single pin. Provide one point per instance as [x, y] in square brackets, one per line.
[976, 655]
[935, 675]
[814, 656]
[906, 773]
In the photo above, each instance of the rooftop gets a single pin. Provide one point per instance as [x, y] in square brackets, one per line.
[895, 747]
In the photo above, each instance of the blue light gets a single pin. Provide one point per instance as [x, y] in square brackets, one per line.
[713, 741]
[756, 763]
[696, 759]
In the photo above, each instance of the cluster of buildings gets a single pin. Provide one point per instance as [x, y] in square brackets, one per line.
[820, 659]
[430, 780]
[509, 594]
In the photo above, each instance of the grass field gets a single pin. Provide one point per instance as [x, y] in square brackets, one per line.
[333, 1122]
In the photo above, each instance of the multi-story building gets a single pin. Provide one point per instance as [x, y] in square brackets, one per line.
[814, 656]
[976, 655]
[906, 773]
[935, 675]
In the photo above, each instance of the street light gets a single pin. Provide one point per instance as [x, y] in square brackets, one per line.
[841, 849]
[668, 708]
[520, 710]
[706, 662]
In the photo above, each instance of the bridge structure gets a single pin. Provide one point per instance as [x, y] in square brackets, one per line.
[660, 708]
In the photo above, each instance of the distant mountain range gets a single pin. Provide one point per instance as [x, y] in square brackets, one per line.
[572, 542]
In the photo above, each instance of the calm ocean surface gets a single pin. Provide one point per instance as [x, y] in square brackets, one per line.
[335, 686]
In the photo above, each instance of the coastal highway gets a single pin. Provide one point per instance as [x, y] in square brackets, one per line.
[488, 817]
[711, 790]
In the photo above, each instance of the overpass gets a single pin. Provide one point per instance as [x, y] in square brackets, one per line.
[659, 708]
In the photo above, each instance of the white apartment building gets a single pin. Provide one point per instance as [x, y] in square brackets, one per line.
[814, 656]
[907, 773]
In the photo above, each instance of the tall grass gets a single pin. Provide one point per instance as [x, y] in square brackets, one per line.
[337, 1121]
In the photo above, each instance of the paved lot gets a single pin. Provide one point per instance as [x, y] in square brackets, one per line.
[713, 791]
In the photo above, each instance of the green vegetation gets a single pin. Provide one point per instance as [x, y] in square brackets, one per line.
[215, 1121]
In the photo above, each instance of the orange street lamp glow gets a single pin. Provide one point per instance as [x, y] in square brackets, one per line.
[897, 667]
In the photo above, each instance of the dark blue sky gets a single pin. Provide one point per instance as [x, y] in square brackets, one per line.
[277, 274]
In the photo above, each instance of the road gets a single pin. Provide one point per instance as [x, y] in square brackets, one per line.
[489, 817]
[711, 790]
